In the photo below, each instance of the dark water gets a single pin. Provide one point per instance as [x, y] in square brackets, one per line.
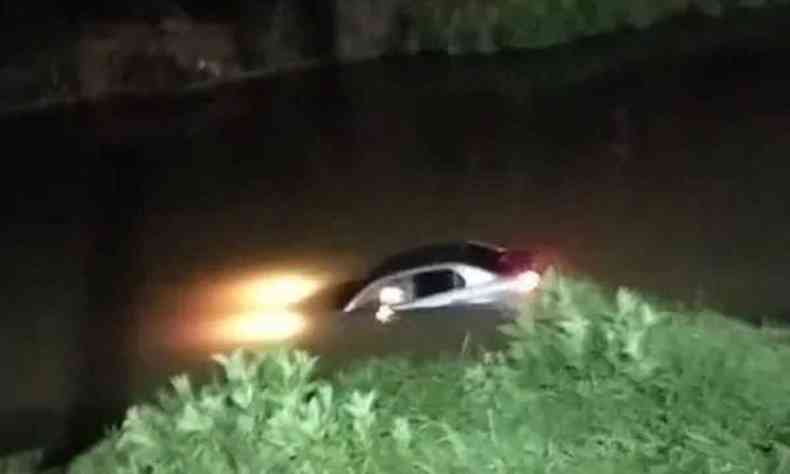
[122, 215]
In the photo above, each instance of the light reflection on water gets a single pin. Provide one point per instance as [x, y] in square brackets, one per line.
[267, 325]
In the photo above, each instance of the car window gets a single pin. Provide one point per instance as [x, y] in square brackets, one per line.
[436, 281]
[370, 296]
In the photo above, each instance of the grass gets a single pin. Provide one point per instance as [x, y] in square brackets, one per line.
[25, 462]
[22, 462]
[593, 381]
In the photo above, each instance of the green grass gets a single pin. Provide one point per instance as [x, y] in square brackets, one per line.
[24, 462]
[594, 381]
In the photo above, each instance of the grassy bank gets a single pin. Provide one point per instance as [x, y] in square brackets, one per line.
[594, 381]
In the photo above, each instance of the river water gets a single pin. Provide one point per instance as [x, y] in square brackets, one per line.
[123, 216]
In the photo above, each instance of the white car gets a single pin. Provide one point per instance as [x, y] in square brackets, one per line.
[458, 273]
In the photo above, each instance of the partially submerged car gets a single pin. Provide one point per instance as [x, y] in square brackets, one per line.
[447, 274]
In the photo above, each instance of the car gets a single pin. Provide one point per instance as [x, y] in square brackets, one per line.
[446, 274]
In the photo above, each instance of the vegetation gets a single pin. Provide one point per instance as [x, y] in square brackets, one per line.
[20, 463]
[284, 37]
[486, 25]
[593, 381]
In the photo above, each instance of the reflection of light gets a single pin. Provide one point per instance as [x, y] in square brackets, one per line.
[264, 326]
[385, 314]
[527, 281]
[254, 308]
[278, 291]
[391, 295]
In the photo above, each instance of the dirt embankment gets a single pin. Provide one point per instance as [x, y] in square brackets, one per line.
[92, 58]
[139, 56]
[103, 57]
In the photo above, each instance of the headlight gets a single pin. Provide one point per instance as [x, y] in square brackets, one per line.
[527, 281]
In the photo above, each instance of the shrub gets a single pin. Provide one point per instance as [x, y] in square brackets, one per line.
[447, 24]
[593, 381]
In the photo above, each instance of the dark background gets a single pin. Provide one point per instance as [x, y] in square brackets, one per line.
[666, 173]
[78, 11]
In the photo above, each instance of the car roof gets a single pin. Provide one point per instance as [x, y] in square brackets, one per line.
[479, 254]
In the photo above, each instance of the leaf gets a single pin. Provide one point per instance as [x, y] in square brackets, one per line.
[288, 368]
[627, 301]
[192, 421]
[361, 405]
[212, 403]
[312, 423]
[136, 439]
[782, 458]
[402, 432]
[242, 395]
[133, 418]
[245, 423]
[326, 396]
[649, 316]
[221, 359]
[305, 364]
[182, 386]
[452, 436]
